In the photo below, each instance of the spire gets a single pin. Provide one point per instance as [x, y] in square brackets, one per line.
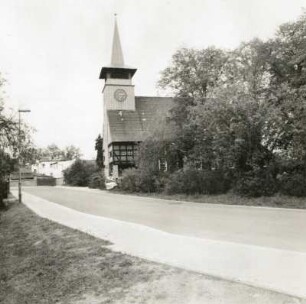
[117, 62]
[117, 55]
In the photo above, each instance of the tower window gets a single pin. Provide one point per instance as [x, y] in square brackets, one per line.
[120, 75]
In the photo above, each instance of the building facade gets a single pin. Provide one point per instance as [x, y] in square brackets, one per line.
[54, 168]
[127, 119]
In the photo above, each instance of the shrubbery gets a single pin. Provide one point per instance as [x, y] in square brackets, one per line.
[193, 181]
[256, 183]
[4, 189]
[188, 181]
[135, 180]
[97, 180]
[293, 184]
[292, 178]
[129, 179]
[80, 173]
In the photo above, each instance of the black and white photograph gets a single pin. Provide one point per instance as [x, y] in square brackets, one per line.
[152, 151]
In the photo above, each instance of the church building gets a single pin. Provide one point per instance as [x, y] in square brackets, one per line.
[128, 119]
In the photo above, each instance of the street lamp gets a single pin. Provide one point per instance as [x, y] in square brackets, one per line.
[19, 150]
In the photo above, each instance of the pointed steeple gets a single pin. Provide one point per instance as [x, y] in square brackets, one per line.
[117, 55]
[117, 62]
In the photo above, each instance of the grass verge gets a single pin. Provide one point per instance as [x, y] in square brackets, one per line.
[277, 201]
[44, 262]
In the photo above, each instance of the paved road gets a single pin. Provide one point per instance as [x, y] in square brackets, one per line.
[278, 228]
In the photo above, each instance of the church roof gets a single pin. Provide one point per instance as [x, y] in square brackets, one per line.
[150, 115]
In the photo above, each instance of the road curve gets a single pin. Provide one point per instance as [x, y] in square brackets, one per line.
[279, 270]
[267, 227]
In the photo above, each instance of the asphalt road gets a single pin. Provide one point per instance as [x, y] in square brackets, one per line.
[268, 227]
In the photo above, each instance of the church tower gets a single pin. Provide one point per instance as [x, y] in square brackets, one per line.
[128, 119]
[118, 91]
[118, 94]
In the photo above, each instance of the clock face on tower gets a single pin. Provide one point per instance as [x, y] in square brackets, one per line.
[120, 95]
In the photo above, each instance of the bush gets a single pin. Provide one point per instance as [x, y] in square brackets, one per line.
[193, 181]
[4, 190]
[183, 181]
[136, 180]
[78, 174]
[46, 181]
[97, 181]
[128, 181]
[256, 183]
[293, 184]
[148, 182]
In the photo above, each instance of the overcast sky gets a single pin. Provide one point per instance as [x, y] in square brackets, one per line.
[51, 51]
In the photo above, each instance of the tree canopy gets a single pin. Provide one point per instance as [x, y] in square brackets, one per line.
[242, 111]
[53, 152]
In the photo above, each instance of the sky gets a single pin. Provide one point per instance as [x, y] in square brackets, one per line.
[51, 51]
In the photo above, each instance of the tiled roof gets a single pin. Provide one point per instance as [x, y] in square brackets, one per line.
[150, 115]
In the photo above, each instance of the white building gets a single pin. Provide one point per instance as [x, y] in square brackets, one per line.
[52, 168]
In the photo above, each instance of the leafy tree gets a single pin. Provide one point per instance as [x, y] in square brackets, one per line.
[71, 152]
[240, 114]
[193, 74]
[226, 114]
[151, 151]
[287, 62]
[8, 136]
[8, 131]
[246, 111]
[192, 77]
[79, 173]
[9, 143]
[53, 152]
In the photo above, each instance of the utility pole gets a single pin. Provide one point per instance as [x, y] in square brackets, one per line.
[19, 152]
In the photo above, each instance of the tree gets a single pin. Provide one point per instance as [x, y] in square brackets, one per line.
[71, 152]
[53, 152]
[79, 173]
[238, 113]
[9, 142]
[192, 77]
[8, 135]
[245, 108]
[8, 131]
[193, 74]
[287, 62]
[99, 149]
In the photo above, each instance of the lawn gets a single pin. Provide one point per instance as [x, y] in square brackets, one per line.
[277, 201]
[44, 262]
